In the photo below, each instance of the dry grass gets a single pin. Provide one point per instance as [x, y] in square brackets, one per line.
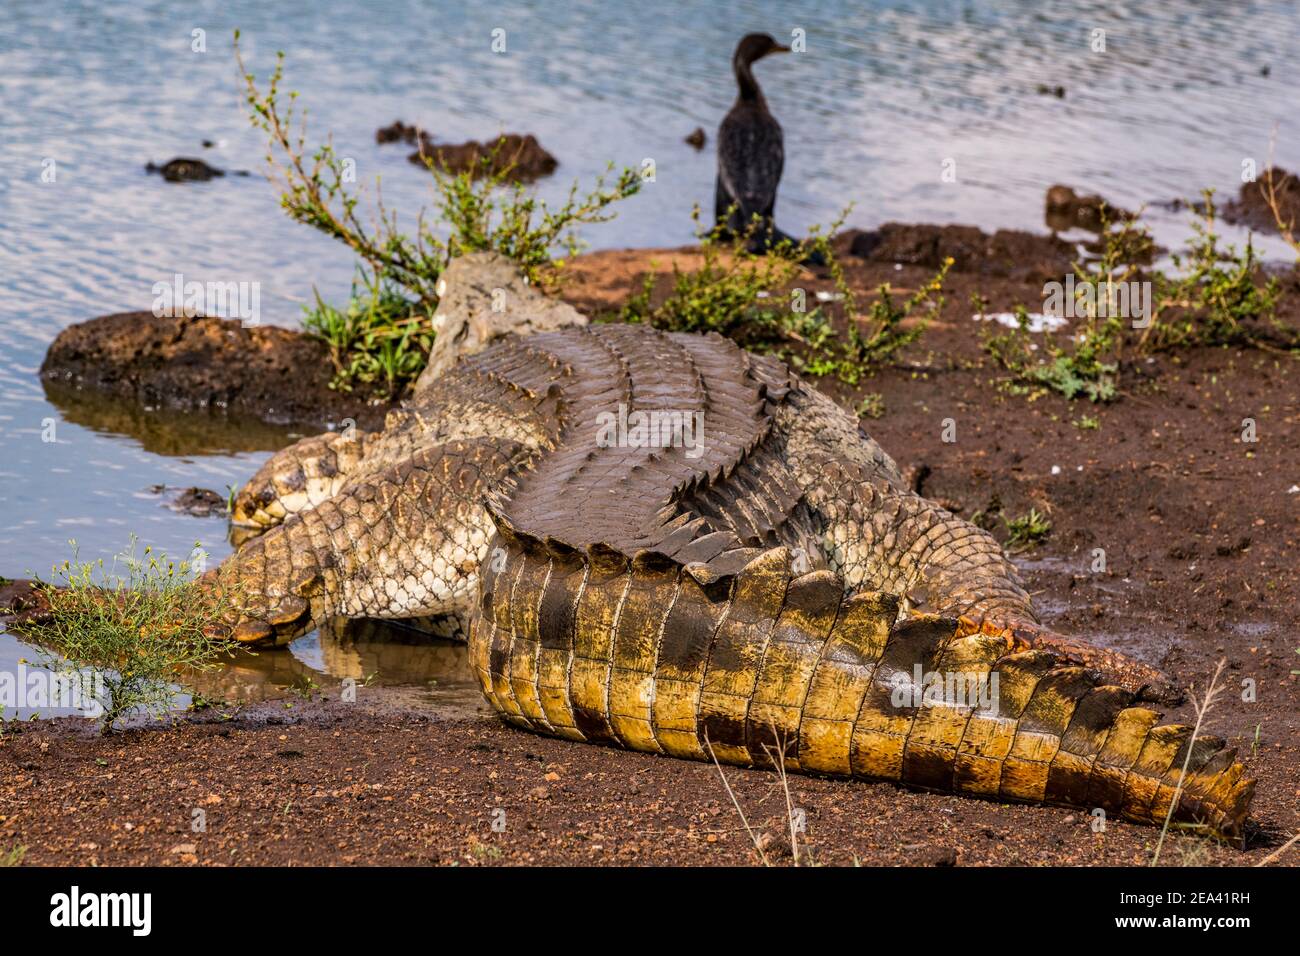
[1202, 706]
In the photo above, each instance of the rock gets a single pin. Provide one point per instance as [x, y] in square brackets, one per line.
[201, 363]
[481, 299]
[181, 848]
[697, 138]
[519, 158]
[1251, 208]
[199, 502]
[22, 601]
[1066, 209]
[183, 170]
[1007, 252]
[399, 132]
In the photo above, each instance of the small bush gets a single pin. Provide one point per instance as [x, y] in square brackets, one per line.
[1027, 530]
[479, 208]
[380, 338]
[1073, 369]
[741, 294]
[1219, 297]
[135, 631]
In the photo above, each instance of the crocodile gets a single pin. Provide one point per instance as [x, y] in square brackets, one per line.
[662, 542]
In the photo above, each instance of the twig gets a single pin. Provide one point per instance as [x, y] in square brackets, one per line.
[779, 760]
[1285, 229]
[1202, 708]
[734, 802]
[1279, 851]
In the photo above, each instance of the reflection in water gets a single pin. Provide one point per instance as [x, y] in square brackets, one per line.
[162, 431]
[403, 661]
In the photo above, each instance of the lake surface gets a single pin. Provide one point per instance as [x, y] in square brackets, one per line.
[882, 96]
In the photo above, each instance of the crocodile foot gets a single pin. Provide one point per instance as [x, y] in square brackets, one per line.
[1145, 682]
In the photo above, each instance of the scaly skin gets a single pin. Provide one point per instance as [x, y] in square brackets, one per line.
[762, 664]
[762, 586]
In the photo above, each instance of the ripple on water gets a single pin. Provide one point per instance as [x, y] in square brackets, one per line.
[879, 99]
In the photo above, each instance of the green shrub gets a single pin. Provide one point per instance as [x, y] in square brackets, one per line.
[1027, 530]
[480, 209]
[380, 338]
[741, 294]
[1218, 297]
[1074, 369]
[134, 631]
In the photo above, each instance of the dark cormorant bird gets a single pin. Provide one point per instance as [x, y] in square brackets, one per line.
[751, 152]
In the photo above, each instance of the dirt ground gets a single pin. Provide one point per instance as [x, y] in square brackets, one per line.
[1199, 530]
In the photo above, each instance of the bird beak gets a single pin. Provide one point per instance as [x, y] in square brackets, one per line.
[780, 49]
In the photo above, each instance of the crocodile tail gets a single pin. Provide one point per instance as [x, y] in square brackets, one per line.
[737, 658]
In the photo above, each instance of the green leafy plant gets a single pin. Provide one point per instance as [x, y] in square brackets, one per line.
[750, 299]
[1220, 296]
[479, 210]
[1027, 530]
[1075, 368]
[126, 632]
[871, 406]
[380, 338]
[383, 335]
[13, 856]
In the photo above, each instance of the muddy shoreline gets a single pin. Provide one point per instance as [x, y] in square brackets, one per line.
[1199, 529]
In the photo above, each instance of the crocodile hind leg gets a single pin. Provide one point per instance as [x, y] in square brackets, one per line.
[907, 545]
[734, 656]
[405, 541]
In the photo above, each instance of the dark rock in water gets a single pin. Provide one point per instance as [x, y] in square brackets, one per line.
[1007, 252]
[199, 502]
[1066, 209]
[399, 132]
[193, 363]
[1251, 207]
[697, 138]
[520, 158]
[21, 602]
[1044, 89]
[182, 170]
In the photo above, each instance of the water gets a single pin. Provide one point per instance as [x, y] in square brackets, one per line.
[883, 95]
